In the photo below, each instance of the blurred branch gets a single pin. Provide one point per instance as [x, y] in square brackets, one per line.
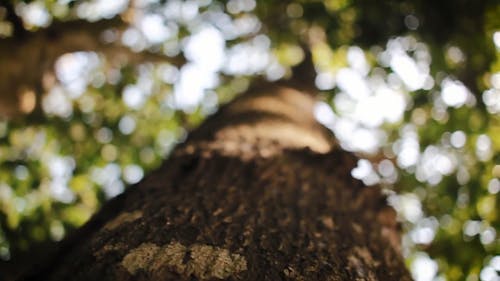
[82, 35]
[13, 18]
[303, 74]
[24, 60]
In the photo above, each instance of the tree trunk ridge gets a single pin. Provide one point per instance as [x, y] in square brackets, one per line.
[259, 192]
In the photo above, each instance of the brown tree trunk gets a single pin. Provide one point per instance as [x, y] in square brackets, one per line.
[259, 192]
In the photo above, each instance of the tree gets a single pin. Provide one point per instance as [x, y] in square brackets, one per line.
[275, 226]
[251, 195]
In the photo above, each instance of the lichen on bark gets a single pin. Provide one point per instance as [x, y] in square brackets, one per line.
[123, 218]
[202, 261]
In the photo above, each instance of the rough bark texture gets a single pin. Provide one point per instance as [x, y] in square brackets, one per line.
[259, 192]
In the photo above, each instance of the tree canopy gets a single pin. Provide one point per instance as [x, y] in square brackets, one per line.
[96, 93]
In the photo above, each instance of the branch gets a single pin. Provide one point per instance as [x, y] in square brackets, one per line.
[24, 60]
[13, 18]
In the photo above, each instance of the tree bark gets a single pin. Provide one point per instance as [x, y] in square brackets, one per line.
[259, 192]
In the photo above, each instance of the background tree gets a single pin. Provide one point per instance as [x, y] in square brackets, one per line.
[434, 63]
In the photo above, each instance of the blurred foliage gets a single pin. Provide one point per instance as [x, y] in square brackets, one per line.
[434, 65]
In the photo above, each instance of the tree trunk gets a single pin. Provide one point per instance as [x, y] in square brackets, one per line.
[259, 192]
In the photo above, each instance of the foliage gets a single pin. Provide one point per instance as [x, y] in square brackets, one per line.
[412, 86]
